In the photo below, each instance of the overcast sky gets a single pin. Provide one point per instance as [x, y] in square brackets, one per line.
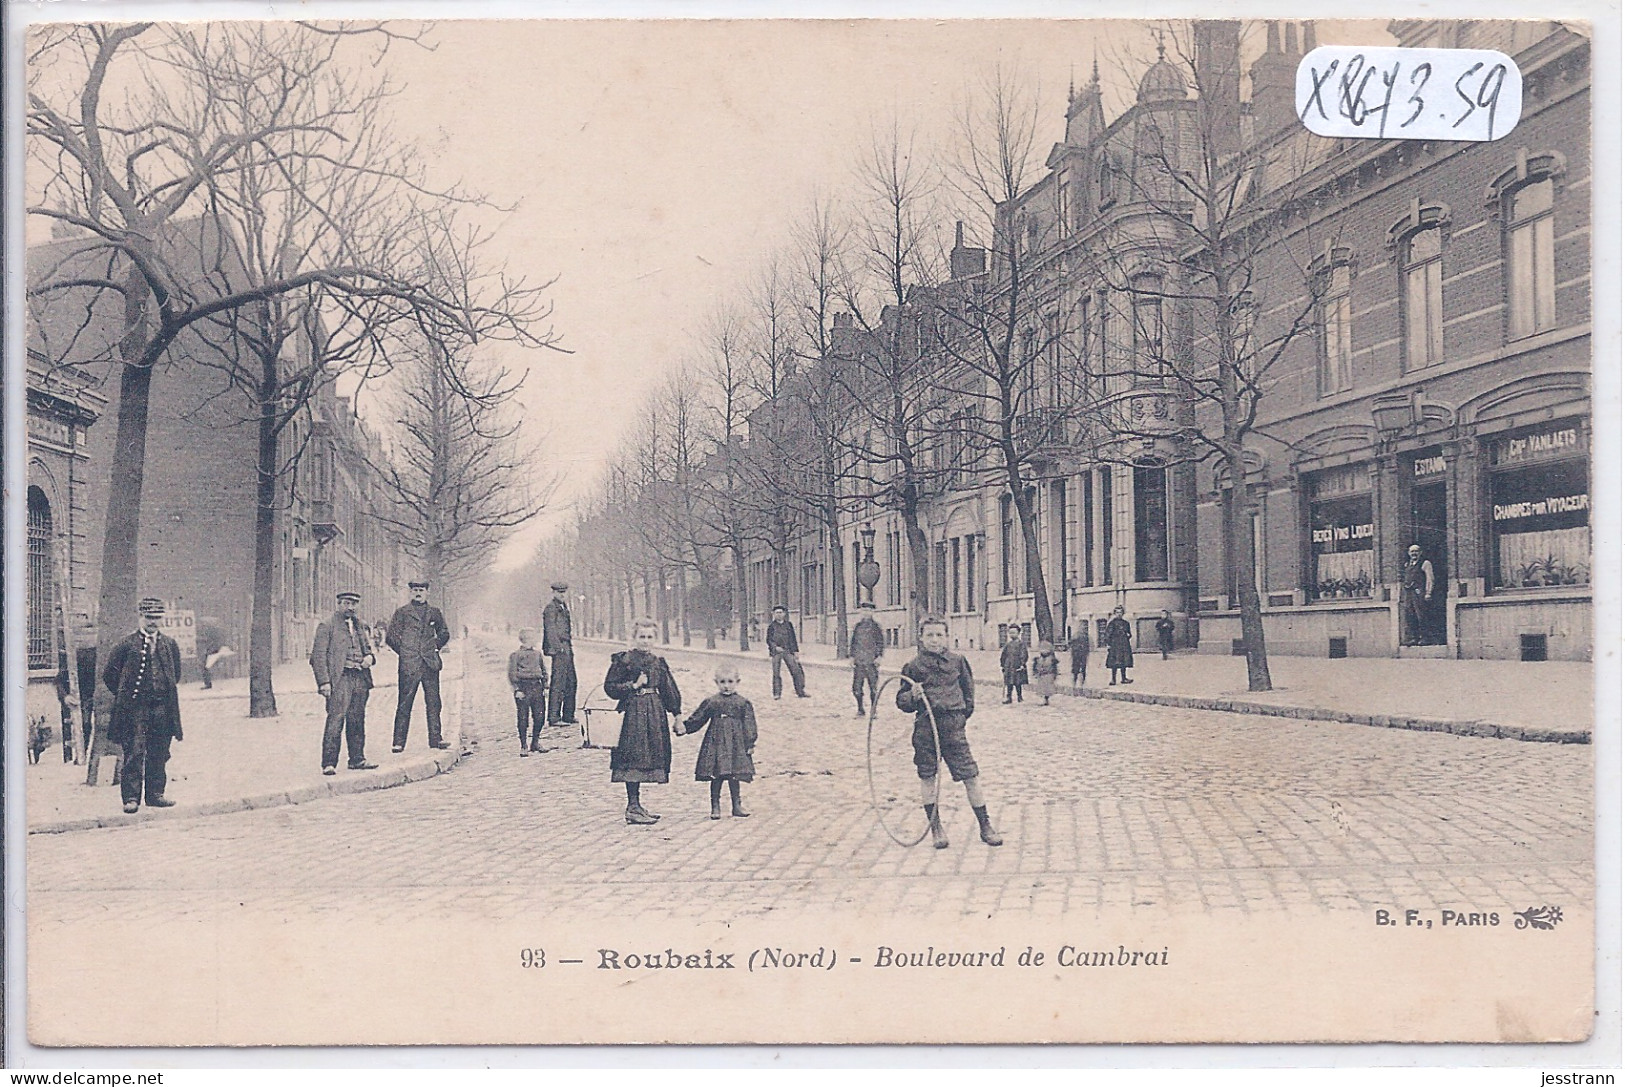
[653, 166]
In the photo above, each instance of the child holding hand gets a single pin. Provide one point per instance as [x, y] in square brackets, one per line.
[725, 753]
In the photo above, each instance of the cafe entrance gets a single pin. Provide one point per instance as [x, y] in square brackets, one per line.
[1426, 523]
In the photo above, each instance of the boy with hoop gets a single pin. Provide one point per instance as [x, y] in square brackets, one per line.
[944, 680]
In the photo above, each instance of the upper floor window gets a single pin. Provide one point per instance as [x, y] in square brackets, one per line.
[1422, 268]
[1530, 271]
[1336, 319]
[1148, 318]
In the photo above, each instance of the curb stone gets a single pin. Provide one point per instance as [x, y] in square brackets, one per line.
[1481, 729]
[419, 769]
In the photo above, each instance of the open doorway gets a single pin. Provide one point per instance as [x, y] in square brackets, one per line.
[1428, 526]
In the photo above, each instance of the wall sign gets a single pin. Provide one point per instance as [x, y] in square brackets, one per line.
[1551, 444]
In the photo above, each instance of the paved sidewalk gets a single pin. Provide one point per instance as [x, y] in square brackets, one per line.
[232, 762]
[1548, 701]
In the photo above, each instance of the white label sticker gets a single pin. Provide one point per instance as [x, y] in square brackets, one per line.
[1377, 93]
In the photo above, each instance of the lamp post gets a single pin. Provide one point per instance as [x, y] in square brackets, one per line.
[868, 569]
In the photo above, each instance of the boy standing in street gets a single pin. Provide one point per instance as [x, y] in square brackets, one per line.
[944, 680]
[785, 649]
[527, 674]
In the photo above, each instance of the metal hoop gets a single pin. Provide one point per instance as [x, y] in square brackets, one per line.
[869, 750]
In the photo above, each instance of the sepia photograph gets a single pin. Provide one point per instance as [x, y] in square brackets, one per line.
[775, 531]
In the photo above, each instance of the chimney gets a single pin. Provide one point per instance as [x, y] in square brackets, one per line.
[965, 261]
[1274, 76]
[1218, 73]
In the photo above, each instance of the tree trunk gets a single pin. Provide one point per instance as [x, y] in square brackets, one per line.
[741, 604]
[1240, 511]
[919, 554]
[663, 605]
[682, 603]
[115, 610]
[1043, 616]
[261, 651]
[837, 575]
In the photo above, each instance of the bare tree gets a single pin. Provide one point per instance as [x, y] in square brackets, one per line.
[1205, 342]
[457, 473]
[1012, 385]
[198, 106]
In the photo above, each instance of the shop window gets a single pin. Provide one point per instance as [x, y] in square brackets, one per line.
[1150, 523]
[1423, 271]
[1334, 281]
[1540, 508]
[41, 583]
[1341, 533]
[1530, 271]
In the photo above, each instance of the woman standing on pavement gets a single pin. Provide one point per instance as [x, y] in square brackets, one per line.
[645, 691]
[1119, 647]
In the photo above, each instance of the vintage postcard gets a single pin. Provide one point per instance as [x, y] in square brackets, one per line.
[806, 531]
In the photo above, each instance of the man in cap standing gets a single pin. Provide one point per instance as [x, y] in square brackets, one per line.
[561, 697]
[417, 633]
[785, 649]
[142, 672]
[342, 659]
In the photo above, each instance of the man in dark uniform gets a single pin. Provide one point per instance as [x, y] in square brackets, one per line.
[417, 633]
[142, 672]
[342, 659]
[868, 643]
[561, 697]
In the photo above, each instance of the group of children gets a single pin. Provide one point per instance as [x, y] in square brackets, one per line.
[1046, 666]
[936, 687]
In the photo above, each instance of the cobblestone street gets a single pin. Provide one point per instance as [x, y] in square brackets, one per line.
[1103, 805]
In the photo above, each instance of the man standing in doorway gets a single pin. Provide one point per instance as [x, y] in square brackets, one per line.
[142, 672]
[1416, 597]
[417, 633]
[561, 697]
[868, 643]
[342, 658]
[785, 649]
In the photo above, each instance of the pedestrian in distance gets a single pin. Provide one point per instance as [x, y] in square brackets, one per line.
[1013, 663]
[785, 649]
[1078, 647]
[1119, 647]
[558, 645]
[1165, 633]
[417, 634]
[143, 671]
[527, 675]
[341, 656]
[1046, 666]
[867, 644]
[645, 692]
[943, 679]
[725, 754]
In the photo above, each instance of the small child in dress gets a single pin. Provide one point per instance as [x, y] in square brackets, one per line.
[1045, 668]
[725, 753]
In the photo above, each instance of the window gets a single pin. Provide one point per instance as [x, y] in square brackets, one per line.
[1086, 507]
[1105, 526]
[41, 583]
[970, 573]
[1341, 532]
[1150, 523]
[955, 576]
[1243, 321]
[939, 602]
[1423, 270]
[1148, 359]
[1531, 276]
[1336, 335]
[1063, 205]
[1540, 507]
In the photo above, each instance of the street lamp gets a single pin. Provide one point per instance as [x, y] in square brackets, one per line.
[868, 569]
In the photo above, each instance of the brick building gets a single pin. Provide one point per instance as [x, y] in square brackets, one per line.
[198, 498]
[1443, 398]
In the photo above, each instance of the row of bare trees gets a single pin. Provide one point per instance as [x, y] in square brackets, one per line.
[880, 363]
[238, 187]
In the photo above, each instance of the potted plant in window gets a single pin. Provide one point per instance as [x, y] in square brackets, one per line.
[1362, 584]
[1326, 589]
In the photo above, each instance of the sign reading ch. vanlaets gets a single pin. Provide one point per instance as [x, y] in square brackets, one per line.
[1541, 445]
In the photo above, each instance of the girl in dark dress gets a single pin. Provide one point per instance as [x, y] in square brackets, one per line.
[646, 693]
[1119, 646]
[725, 753]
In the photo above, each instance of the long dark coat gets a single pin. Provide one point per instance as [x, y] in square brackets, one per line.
[556, 629]
[1119, 644]
[123, 665]
[643, 751]
[330, 648]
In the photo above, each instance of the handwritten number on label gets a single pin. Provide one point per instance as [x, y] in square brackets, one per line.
[1425, 70]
